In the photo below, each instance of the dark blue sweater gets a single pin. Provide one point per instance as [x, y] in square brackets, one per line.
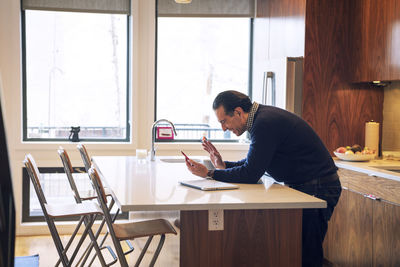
[284, 146]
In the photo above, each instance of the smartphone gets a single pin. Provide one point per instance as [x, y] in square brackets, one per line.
[186, 157]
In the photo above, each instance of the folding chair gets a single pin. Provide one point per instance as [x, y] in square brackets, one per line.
[85, 156]
[86, 211]
[69, 171]
[88, 195]
[132, 230]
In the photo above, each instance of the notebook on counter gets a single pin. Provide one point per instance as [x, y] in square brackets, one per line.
[209, 184]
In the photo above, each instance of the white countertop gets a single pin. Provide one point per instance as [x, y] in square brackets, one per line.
[155, 186]
[368, 167]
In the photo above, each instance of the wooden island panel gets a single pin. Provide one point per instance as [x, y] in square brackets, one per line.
[250, 238]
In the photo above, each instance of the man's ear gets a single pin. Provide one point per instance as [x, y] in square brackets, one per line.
[239, 111]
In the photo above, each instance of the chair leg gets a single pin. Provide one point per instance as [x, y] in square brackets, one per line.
[158, 250]
[113, 220]
[120, 253]
[71, 238]
[86, 254]
[57, 242]
[122, 260]
[98, 233]
[146, 246]
[88, 225]
[94, 242]
[63, 251]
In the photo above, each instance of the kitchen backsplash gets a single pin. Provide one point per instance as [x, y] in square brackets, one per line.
[391, 117]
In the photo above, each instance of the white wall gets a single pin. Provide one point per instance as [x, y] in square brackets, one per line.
[143, 58]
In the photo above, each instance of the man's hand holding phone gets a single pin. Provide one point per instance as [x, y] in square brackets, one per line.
[195, 167]
[187, 159]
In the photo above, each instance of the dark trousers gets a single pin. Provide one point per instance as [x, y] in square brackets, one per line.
[315, 221]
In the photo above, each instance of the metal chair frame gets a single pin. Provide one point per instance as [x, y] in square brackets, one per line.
[79, 198]
[85, 156]
[86, 211]
[130, 230]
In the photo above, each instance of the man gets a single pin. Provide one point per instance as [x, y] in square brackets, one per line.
[288, 149]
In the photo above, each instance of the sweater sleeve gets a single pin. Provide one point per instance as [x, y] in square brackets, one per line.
[262, 148]
[230, 164]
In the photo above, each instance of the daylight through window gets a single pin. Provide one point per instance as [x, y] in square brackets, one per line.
[197, 58]
[75, 75]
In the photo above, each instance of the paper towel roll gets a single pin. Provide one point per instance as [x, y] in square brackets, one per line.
[372, 136]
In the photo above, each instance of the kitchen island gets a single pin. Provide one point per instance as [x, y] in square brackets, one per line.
[261, 222]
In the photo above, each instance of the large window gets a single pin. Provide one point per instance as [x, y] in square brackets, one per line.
[75, 74]
[197, 58]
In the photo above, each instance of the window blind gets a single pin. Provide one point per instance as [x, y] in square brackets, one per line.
[93, 6]
[206, 8]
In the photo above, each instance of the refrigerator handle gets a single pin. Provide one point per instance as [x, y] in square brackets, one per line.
[268, 95]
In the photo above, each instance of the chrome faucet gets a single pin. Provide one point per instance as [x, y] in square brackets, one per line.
[153, 137]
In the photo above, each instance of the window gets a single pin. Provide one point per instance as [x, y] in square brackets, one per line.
[75, 74]
[203, 48]
[197, 58]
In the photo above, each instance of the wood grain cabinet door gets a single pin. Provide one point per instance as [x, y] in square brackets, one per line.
[285, 27]
[349, 238]
[386, 234]
[376, 40]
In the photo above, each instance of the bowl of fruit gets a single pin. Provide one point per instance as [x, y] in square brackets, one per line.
[354, 153]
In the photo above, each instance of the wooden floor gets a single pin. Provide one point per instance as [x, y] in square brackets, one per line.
[44, 246]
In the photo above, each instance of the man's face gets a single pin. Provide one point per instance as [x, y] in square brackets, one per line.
[235, 123]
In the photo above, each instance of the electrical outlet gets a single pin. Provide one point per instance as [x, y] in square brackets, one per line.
[215, 220]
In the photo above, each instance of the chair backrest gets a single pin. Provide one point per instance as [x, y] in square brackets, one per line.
[101, 197]
[68, 171]
[34, 174]
[98, 186]
[85, 156]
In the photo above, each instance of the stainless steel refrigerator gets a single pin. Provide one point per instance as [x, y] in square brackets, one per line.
[279, 82]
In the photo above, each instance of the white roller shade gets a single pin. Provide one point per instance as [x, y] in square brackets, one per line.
[94, 6]
[206, 8]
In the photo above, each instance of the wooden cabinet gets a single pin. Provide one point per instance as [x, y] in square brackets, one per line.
[335, 108]
[386, 234]
[349, 238]
[364, 231]
[282, 23]
[375, 35]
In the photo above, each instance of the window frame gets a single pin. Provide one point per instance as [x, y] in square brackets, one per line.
[25, 137]
[250, 86]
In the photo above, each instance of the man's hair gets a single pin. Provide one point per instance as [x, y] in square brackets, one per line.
[230, 100]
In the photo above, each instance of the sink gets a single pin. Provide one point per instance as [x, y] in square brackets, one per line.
[388, 168]
[175, 160]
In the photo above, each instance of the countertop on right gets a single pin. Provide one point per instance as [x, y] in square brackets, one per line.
[387, 168]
